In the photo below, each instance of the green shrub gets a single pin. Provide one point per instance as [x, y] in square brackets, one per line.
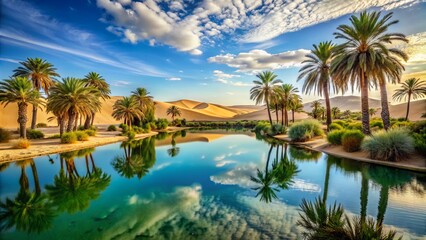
[41, 125]
[335, 137]
[112, 128]
[335, 126]
[420, 142]
[90, 132]
[124, 128]
[183, 122]
[55, 136]
[152, 125]
[276, 129]
[401, 119]
[392, 145]
[82, 136]
[21, 143]
[376, 123]
[340, 122]
[355, 126]
[34, 134]
[262, 126]
[162, 123]
[138, 130]
[69, 137]
[131, 135]
[351, 140]
[147, 128]
[305, 130]
[402, 124]
[4, 135]
[419, 127]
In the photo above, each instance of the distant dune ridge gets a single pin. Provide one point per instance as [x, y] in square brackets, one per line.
[201, 111]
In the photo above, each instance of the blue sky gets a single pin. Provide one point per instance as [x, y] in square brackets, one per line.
[202, 50]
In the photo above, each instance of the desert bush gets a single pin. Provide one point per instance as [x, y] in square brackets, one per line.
[419, 127]
[112, 128]
[4, 135]
[355, 126]
[152, 125]
[82, 136]
[138, 130]
[305, 130]
[262, 126]
[41, 125]
[340, 122]
[351, 140]
[402, 124]
[55, 136]
[420, 142]
[80, 128]
[276, 129]
[131, 135]
[21, 143]
[162, 123]
[392, 145]
[90, 132]
[147, 127]
[69, 137]
[183, 122]
[335, 126]
[335, 137]
[34, 134]
[376, 124]
[124, 128]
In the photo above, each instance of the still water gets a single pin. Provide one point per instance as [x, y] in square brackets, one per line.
[197, 186]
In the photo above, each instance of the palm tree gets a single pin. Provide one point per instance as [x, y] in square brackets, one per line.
[70, 98]
[364, 59]
[141, 95]
[372, 111]
[41, 73]
[316, 73]
[335, 111]
[411, 88]
[295, 105]
[286, 92]
[19, 90]
[264, 88]
[316, 105]
[174, 111]
[126, 109]
[93, 79]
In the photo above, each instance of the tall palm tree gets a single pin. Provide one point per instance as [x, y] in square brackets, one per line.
[93, 79]
[126, 109]
[295, 105]
[72, 97]
[365, 59]
[316, 105]
[40, 72]
[335, 111]
[141, 95]
[263, 89]
[317, 75]
[286, 92]
[19, 90]
[411, 88]
[174, 111]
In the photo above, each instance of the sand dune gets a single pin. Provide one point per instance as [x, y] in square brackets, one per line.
[352, 103]
[201, 111]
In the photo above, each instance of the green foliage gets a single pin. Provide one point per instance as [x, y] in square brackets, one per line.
[41, 125]
[34, 134]
[124, 128]
[376, 123]
[262, 126]
[183, 122]
[419, 127]
[335, 137]
[351, 140]
[355, 126]
[341, 123]
[69, 137]
[82, 136]
[80, 128]
[138, 130]
[21, 144]
[305, 130]
[402, 124]
[162, 123]
[90, 132]
[112, 128]
[276, 129]
[131, 135]
[146, 128]
[55, 136]
[4, 135]
[392, 145]
[420, 142]
[152, 125]
[335, 126]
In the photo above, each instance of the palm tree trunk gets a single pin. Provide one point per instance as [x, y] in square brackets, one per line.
[61, 125]
[408, 106]
[34, 119]
[76, 122]
[269, 112]
[285, 114]
[35, 176]
[276, 112]
[364, 196]
[22, 119]
[87, 122]
[92, 119]
[292, 115]
[364, 105]
[87, 164]
[282, 116]
[269, 157]
[326, 181]
[93, 163]
[385, 106]
[383, 204]
[71, 118]
[327, 105]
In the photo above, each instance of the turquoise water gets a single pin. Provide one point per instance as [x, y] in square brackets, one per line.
[197, 186]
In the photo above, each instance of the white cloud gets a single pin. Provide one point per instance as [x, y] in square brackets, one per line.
[221, 74]
[232, 83]
[230, 93]
[174, 79]
[120, 83]
[9, 60]
[196, 52]
[256, 59]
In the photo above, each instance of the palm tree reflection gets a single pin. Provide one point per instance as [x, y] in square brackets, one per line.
[279, 177]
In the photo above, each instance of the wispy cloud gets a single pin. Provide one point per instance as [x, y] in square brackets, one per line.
[9, 60]
[174, 79]
[120, 83]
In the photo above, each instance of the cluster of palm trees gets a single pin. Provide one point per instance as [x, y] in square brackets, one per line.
[136, 109]
[68, 99]
[412, 88]
[277, 96]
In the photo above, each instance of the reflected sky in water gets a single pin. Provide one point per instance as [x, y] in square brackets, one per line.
[195, 186]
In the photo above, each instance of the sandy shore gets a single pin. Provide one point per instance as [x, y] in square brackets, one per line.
[42, 147]
[416, 162]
